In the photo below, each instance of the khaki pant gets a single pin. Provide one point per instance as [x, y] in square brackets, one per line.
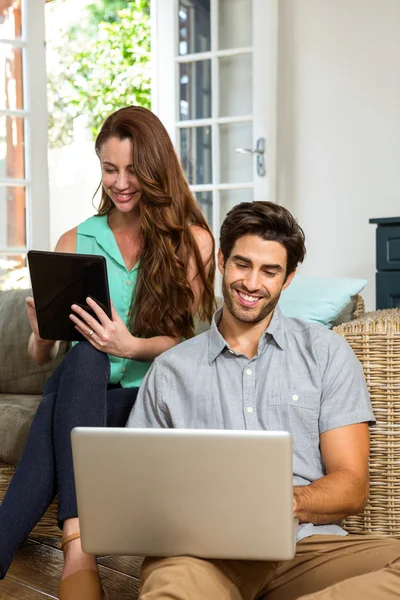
[325, 567]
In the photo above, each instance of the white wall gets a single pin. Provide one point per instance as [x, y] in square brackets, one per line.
[339, 128]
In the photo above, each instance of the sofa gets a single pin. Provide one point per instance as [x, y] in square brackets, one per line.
[375, 338]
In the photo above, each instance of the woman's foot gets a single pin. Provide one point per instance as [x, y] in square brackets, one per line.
[75, 559]
[80, 574]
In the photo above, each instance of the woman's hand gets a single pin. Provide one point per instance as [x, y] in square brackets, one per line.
[110, 335]
[30, 307]
[40, 350]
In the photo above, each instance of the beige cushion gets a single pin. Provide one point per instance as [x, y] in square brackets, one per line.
[21, 379]
[16, 414]
[18, 373]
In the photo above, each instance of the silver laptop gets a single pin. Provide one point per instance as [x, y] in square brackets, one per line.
[165, 492]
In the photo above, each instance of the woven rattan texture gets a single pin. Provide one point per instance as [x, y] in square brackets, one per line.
[375, 339]
[360, 308]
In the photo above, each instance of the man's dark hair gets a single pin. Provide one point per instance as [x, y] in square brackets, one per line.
[270, 222]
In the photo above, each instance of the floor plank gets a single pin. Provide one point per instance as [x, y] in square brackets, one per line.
[130, 565]
[46, 540]
[118, 585]
[13, 590]
[39, 566]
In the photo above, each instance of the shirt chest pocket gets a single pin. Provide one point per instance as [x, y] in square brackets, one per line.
[296, 412]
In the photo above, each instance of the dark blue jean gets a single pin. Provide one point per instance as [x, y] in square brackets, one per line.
[77, 394]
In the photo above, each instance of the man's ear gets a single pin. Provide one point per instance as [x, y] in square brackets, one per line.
[288, 280]
[221, 262]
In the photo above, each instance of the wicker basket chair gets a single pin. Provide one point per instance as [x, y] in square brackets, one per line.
[360, 308]
[375, 339]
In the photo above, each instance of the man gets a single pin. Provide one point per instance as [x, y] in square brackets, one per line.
[255, 369]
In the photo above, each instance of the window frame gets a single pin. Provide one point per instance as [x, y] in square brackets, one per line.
[166, 93]
[35, 114]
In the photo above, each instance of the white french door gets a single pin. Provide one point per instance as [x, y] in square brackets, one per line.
[24, 203]
[214, 86]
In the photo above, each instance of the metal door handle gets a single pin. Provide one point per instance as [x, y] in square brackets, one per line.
[259, 150]
[248, 151]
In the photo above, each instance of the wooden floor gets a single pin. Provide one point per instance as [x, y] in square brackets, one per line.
[36, 571]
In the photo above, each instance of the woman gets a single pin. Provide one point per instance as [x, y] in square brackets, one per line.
[160, 260]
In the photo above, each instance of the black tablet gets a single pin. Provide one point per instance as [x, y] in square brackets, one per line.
[60, 280]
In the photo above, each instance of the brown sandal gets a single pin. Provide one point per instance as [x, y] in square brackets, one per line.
[82, 585]
[68, 539]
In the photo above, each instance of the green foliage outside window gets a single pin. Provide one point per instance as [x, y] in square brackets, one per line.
[104, 64]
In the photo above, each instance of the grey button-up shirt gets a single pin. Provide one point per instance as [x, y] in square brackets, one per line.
[304, 379]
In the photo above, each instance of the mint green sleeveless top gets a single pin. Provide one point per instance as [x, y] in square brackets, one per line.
[94, 236]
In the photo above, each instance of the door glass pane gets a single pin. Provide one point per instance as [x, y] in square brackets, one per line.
[195, 90]
[236, 85]
[12, 160]
[232, 12]
[196, 154]
[11, 92]
[12, 217]
[10, 19]
[236, 167]
[205, 201]
[13, 272]
[230, 198]
[194, 26]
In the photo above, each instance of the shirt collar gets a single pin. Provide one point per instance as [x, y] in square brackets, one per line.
[99, 228]
[217, 343]
[276, 328]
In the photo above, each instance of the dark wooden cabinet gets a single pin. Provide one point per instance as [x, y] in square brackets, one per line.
[387, 262]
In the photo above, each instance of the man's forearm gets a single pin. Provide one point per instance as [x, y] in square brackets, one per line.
[330, 498]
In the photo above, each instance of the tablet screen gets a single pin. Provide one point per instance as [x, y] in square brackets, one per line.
[60, 280]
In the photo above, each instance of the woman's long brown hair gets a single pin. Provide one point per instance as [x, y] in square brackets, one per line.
[163, 297]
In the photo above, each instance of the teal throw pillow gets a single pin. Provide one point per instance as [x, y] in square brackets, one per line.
[319, 299]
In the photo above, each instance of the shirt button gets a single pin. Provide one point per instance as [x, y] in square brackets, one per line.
[249, 409]
[123, 370]
[128, 282]
[295, 397]
[248, 371]
[127, 313]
